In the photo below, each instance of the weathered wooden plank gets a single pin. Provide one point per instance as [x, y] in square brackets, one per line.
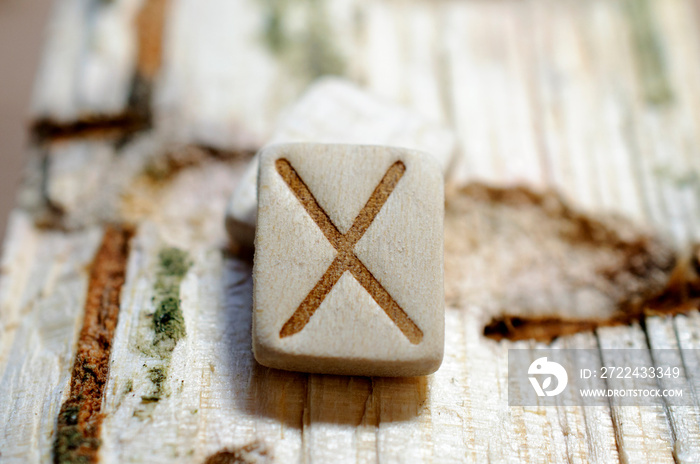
[551, 93]
[683, 420]
[643, 432]
[164, 390]
[78, 428]
[574, 180]
[636, 429]
[670, 127]
[488, 95]
[42, 300]
[400, 55]
[230, 67]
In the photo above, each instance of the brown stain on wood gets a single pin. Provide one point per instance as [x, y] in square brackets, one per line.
[551, 270]
[680, 295]
[150, 24]
[80, 418]
[247, 454]
[682, 292]
[541, 329]
[91, 127]
[164, 168]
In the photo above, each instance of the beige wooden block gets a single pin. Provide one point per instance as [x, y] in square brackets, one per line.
[348, 275]
[335, 110]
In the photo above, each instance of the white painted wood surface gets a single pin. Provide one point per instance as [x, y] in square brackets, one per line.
[561, 94]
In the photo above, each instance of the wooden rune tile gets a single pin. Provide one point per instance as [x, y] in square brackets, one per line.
[348, 265]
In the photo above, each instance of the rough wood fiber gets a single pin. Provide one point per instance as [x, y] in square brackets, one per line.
[43, 298]
[346, 281]
[557, 94]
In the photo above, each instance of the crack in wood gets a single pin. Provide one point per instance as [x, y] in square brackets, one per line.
[91, 127]
[346, 260]
[80, 417]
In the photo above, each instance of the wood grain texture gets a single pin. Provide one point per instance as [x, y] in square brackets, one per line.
[597, 100]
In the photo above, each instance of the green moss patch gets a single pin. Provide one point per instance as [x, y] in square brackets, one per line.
[649, 53]
[167, 321]
[157, 375]
[310, 50]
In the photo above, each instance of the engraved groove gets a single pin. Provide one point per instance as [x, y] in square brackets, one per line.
[308, 201]
[374, 204]
[346, 260]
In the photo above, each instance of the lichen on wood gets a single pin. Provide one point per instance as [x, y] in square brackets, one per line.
[311, 50]
[162, 168]
[649, 52]
[167, 323]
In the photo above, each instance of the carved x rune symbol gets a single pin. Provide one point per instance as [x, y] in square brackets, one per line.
[346, 260]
